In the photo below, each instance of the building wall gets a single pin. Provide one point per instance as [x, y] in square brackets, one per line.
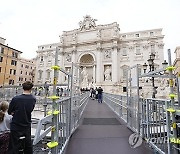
[25, 71]
[177, 60]
[106, 48]
[8, 66]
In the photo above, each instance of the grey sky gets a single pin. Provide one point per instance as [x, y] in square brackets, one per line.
[28, 23]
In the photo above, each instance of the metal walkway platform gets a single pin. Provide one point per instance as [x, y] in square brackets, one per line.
[101, 132]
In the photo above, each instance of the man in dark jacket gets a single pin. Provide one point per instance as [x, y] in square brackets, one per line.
[100, 90]
[21, 107]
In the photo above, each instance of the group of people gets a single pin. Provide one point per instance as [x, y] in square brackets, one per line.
[96, 94]
[15, 121]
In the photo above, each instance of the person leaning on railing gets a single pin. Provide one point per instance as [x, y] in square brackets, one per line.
[21, 107]
[5, 119]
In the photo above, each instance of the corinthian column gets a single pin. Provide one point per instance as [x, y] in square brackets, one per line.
[99, 68]
[114, 63]
[74, 56]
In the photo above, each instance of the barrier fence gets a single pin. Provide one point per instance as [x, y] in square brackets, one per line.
[155, 123]
[66, 127]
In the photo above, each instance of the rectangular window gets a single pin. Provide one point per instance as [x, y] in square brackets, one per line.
[21, 65]
[124, 52]
[13, 62]
[138, 50]
[14, 72]
[10, 72]
[137, 35]
[0, 69]
[11, 82]
[21, 72]
[152, 48]
[151, 33]
[124, 89]
[14, 54]
[124, 72]
[1, 59]
[48, 74]
[40, 75]
[2, 50]
[123, 36]
[41, 58]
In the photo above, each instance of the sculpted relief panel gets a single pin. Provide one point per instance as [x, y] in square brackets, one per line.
[107, 54]
[68, 38]
[107, 33]
[87, 36]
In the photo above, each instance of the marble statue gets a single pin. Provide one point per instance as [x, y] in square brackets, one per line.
[87, 23]
[85, 77]
[107, 74]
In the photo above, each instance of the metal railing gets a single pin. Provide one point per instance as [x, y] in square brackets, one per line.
[66, 124]
[153, 119]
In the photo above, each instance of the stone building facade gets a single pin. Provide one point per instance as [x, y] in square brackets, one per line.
[8, 64]
[25, 71]
[102, 51]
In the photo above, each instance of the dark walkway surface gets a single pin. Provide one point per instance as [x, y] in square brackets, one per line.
[101, 132]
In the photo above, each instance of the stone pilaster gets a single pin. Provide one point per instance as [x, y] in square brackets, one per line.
[94, 73]
[114, 62]
[74, 51]
[99, 70]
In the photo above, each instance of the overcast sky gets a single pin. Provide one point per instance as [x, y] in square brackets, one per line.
[25, 24]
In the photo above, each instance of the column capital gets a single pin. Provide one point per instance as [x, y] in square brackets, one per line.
[99, 46]
[114, 47]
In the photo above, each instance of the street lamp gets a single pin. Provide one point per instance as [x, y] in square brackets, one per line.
[151, 68]
[145, 67]
[164, 64]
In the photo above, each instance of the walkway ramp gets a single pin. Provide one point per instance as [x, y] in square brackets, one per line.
[101, 132]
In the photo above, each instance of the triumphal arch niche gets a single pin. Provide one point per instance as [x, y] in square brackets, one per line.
[94, 48]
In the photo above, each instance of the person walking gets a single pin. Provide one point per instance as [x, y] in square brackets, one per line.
[5, 119]
[100, 90]
[21, 107]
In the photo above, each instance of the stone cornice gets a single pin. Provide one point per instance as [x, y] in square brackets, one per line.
[98, 27]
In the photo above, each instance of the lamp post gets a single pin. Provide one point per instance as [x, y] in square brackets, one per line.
[152, 68]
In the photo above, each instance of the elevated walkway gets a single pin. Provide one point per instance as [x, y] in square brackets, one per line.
[102, 132]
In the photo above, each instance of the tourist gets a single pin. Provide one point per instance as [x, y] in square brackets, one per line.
[21, 107]
[100, 90]
[5, 119]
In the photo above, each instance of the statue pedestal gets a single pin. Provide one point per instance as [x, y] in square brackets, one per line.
[85, 85]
